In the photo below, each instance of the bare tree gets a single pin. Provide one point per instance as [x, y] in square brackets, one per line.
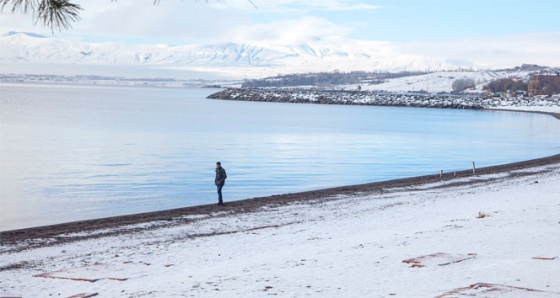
[460, 85]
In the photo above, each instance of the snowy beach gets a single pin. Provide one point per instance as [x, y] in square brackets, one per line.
[489, 235]
[493, 234]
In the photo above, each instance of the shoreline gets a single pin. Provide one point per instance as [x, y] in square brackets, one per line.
[10, 237]
[555, 115]
[171, 217]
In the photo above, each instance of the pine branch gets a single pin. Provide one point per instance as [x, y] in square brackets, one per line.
[57, 14]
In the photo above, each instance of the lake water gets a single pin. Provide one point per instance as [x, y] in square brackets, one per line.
[80, 152]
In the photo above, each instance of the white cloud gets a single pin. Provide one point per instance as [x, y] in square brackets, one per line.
[289, 31]
[192, 21]
[187, 21]
[495, 52]
[284, 6]
[20, 22]
[201, 22]
[177, 21]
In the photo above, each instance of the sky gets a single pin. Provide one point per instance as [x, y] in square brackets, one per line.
[195, 21]
[461, 27]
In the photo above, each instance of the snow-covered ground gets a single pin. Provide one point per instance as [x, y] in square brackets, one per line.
[499, 239]
[442, 81]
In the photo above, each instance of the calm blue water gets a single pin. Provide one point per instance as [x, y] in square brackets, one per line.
[79, 152]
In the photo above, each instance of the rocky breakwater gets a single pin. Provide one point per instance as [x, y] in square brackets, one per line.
[381, 99]
[349, 98]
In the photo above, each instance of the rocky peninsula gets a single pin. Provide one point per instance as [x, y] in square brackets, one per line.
[373, 98]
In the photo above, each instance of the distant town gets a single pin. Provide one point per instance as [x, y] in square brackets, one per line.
[524, 80]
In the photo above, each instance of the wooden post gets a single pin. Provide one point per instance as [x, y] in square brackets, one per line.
[440, 173]
[473, 168]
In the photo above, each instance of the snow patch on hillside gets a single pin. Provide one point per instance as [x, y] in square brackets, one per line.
[442, 81]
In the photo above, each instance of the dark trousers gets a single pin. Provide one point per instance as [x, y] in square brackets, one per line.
[220, 200]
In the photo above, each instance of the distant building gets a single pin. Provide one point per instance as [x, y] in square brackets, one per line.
[530, 67]
[544, 85]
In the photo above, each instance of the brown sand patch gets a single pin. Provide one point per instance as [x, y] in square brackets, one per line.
[544, 258]
[496, 290]
[83, 295]
[438, 259]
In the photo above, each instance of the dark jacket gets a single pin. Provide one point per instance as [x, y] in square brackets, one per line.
[220, 177]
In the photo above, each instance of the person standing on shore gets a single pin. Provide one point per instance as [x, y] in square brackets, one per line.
[220, 180]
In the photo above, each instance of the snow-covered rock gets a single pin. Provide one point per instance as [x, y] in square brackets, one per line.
[385, 99]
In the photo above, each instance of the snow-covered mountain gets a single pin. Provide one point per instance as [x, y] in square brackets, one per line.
[24, 51]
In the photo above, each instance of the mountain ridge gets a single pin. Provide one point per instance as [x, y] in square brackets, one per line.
[254, 59]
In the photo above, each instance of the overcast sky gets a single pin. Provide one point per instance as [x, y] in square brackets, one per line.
[526, 27]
